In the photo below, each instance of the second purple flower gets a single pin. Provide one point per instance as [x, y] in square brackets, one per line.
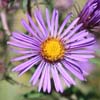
[90, 15]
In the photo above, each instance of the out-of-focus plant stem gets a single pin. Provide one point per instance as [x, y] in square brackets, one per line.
[4, 22]
[29, 7]
[13, 81]
[40, 3]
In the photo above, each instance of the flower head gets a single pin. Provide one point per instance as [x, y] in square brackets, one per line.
[57, 51]
[90, 15]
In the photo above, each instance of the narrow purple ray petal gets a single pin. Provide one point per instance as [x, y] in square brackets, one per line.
[73, 62]
[23, 57]
[24, 43]
[87, 67]
[29, 29]
[34, 26]
[64, 23]
[56, 24]
[45, 85]
[82, 56]
[72, 32]
[37, 73]
[42, 21]
[79, 36]
[78, 74]
[72, 25]
[84, 51]
[74, 65]
[85, 45]
[96, 14]
[48, 20]
[58, 79]
[26, 26]
[42, 78]
[66, 82]
[18, 45]
[77, 58]
[25, 52]
[85, 41]
[49, 82]
[25, 64]
[53, 22]
[29, 67]
[26, 38]
[22, 46]
[38, 19]
[64, 74]
[22, 36]
[56, 84]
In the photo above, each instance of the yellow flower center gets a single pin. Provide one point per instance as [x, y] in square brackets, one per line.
[52, 49]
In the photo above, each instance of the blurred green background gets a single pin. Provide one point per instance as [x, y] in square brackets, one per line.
[15, 88]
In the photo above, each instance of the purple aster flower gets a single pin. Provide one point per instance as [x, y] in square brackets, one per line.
[90, 15]
[57, 51]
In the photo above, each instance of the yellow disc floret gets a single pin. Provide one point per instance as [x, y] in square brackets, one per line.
[52, 49]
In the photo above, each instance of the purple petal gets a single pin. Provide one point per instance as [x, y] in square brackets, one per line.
[23, 57]
[65, 75]
[58, 79]
[79, 36]
[49, 82]
[26, 38]
[84, 51]
[76, 58]
[78, 73]
[34, 26]
[21, 72]
[16, 41]
[45, 85]
[37, 73]
[72, 32]
[26, 64]
[39, 15]
[29, 29]
[55, 79]
[26, 26]
[64, 23]
[25, 52]
[66, 82]
[56, 24]
[38, 18]
[42, 78]
[53, 22]
[85, 41]
[71, 26]
[23, 46]
[48, 20]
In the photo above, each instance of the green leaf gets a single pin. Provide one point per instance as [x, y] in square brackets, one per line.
[24, 4]
[50, 4]
[95, 61]
[35, 95]
[32, 95]
[98, 52]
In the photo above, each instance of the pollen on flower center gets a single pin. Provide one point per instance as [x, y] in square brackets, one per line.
[52, 49]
